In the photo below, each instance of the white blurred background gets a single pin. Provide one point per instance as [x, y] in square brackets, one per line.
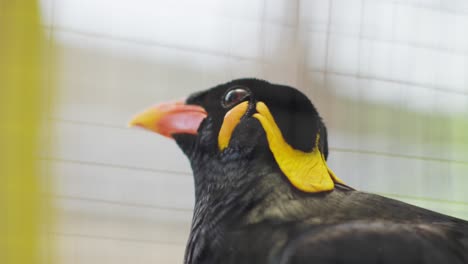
[390, 78]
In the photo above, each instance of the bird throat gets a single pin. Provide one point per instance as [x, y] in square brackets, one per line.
[307, 171]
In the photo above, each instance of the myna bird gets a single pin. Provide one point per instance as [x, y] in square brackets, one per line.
[264, 192]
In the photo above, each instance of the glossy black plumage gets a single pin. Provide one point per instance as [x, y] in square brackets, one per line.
[247, 211]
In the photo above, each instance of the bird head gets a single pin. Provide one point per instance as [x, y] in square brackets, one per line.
[244, 119]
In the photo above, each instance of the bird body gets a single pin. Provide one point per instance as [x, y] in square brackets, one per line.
[279, 224]
[256, 203]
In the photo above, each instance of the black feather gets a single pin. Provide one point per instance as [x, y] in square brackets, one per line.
[246, 211]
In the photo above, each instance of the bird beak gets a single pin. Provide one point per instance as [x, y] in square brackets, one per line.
[171, 118]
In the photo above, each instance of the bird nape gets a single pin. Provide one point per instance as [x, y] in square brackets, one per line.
[264, 192]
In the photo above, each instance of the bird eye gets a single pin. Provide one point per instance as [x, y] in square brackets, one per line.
[235, 96]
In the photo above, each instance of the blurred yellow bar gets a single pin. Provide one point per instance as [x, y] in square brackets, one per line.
[21, 202]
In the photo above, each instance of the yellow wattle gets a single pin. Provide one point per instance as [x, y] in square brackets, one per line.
[307, 171]
[231, 120]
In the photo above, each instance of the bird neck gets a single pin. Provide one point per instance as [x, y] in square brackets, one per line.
[226, 186]
[225, 194]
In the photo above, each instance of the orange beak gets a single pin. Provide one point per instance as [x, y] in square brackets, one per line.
[171, 118]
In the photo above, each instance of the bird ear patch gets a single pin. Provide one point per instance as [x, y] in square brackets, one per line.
[231, 120]
[307, 171]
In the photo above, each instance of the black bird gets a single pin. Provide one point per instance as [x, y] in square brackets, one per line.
[264, 193]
